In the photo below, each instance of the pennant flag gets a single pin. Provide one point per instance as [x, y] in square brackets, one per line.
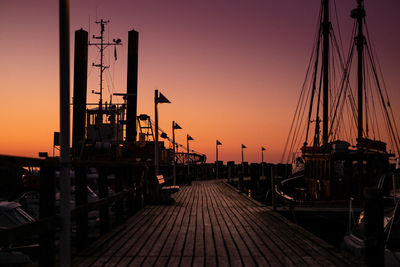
[176, 126]
[218, 143]
[243, 146]
[162, 99]
[263, 148]
[189, 137]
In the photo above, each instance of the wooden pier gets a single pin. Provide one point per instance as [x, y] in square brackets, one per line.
[210, 224]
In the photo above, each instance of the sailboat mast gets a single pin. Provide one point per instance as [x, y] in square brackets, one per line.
[325, 61]
[359, 14]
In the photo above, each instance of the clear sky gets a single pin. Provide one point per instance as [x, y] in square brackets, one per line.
[232, 69]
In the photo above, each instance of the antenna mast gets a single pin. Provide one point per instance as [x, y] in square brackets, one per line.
[102, 46]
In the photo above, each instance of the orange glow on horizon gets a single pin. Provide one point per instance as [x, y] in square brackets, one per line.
[232, 70]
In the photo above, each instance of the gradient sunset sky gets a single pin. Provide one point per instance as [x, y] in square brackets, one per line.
[233, 70]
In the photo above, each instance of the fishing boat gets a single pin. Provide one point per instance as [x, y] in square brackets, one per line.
[111, 129]
[359, 138]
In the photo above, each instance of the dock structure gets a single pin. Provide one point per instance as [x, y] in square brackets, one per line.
[210, 224]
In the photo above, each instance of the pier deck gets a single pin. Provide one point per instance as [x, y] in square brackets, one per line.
[210, 224]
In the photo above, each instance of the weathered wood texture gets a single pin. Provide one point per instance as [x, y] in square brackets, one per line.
[210, 224]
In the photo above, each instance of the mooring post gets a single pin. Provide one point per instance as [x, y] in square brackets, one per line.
[273, 173]
[374, 236]
[47, 209]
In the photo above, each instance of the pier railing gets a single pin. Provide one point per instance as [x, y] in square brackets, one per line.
[121, 188]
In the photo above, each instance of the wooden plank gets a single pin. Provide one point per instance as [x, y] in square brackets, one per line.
[189, 243]
[154, 246]
[230, 246]
[301, 244]
[286, 256]
[139, 236]
[259, 250]
[183, 212]
[173, 261]
[212, 225]
[281, 248]
[210, 252]
[199, 235]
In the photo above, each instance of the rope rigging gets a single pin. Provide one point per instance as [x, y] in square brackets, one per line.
[343, 110]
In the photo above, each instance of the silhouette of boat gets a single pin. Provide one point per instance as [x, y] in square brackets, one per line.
[349, 155]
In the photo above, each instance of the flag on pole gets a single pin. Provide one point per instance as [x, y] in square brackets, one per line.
[263, 148]
[243, 146]
[162, 99]
[176, 126]
[189, 138]
[218, 143]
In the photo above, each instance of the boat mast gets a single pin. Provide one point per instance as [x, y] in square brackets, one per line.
[326, 25]
[359, 14]
[102, 46]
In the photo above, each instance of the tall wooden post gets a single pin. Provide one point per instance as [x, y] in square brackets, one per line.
[80, 91]
[47, 209]
[374, 236]
[65, 184]
[131, 89]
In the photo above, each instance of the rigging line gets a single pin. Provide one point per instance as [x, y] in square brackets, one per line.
[383, 101]
[370, 105]
[297, 111]
[376, 119]
[313, 86]
[346, 75]
[91, 67]
[338, 26]
[302, 93]
[372, 58]
[366, 130]
[299, 123]
[317, 119]
[343, 91]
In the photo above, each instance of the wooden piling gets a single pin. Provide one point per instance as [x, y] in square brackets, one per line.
[47, 209]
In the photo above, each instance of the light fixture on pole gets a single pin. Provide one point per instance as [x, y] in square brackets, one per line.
[262, 160]
[218, 143]
[158, 99]
[175, 126]
[188, 138]
[243, 146]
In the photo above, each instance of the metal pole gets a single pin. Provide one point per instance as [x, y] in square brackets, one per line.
[187, 156]
[262, 161]
[156, 157]
[65, 235]
[216, 163]
[242, 162]
[173, 144]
